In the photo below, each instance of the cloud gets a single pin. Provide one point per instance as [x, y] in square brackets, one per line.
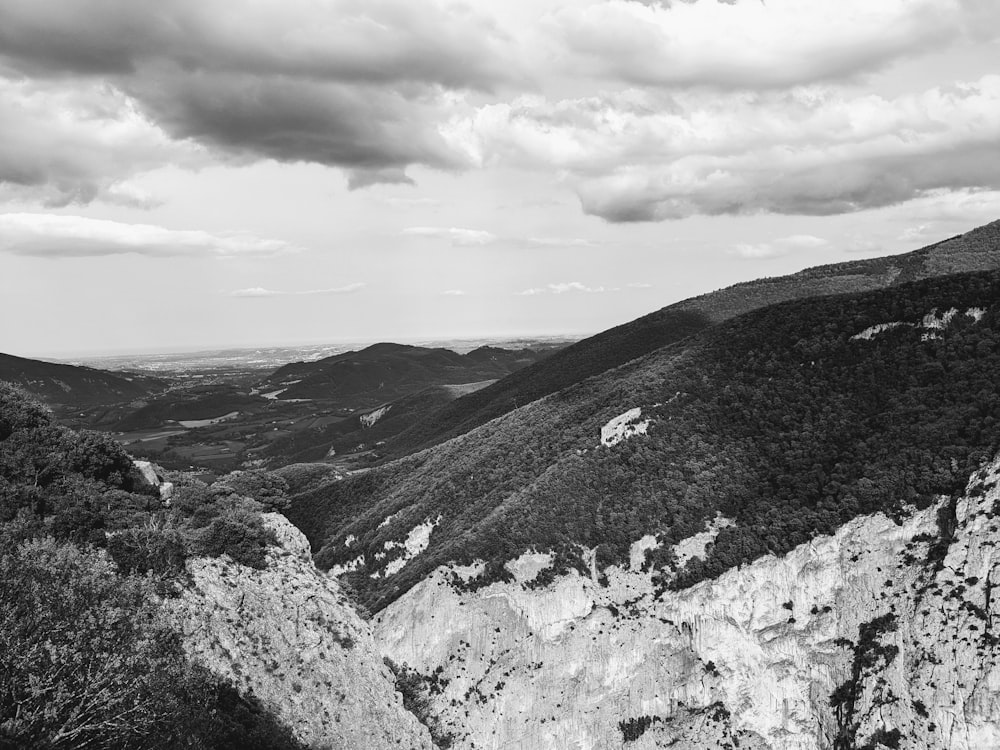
[456, 235]
[58, 236]
[755, 45]
[478, 237]
[454, 293]
[562, 288]
[257, 291]
[64, 143]
[332, 40]
[779, 247]
[343, 83]
[559, 242]
[720, 107]
[641, 156]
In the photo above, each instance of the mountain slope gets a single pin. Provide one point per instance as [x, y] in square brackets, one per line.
[976, 250]
[790, 421]
[72, 385]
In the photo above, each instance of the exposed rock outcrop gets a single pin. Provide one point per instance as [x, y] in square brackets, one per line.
[623, 427]
[150, 475]
[288, 635]
[882, 635]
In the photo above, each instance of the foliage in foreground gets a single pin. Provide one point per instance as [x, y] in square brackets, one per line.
[87, 550]
[87, 662]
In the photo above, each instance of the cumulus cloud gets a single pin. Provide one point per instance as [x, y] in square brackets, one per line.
[337, 82]
[258, 291]
[64, 143]
[456, 235]
[779, 247]
[640, 156]
[454, 293]
[96, 91]
[340, 40]
[59, 236]
[755, 45]
[562, 287]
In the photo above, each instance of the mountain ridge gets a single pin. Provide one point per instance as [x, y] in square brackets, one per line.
[977, 249]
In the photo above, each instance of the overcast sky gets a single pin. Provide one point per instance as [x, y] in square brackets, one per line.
[200, 173]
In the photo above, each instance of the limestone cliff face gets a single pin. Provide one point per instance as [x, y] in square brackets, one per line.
[288, 634]
[883, 635]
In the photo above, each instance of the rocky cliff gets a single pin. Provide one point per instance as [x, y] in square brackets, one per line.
[881, 635]
[288, 635]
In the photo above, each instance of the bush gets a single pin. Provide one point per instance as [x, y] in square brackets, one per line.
[268, 489]
[240, 535]
[148, 550]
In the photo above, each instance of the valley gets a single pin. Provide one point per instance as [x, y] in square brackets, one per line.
[217, 411]
[776, 529]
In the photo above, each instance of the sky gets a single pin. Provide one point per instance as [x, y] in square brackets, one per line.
[191, 174]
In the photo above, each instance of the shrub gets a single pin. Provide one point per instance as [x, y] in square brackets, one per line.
[145, 550]
[240, 535]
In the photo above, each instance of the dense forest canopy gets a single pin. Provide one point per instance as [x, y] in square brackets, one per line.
[784, 420]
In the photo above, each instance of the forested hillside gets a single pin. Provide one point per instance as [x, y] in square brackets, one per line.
[76, 386]
[87, 552]
[976, 250]
[789, 420]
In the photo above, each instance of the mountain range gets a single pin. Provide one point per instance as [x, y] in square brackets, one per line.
[767, 517]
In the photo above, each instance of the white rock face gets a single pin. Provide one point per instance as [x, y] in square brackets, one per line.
[872, 331]
[148, 472]
[368, 420]
[752, 657]
[976, 313]
[624, 426]
[637, 551]
[417, 540]
[695, 546]
[288, 635]
[931, 323]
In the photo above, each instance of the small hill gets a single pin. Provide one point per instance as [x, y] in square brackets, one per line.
[71, 385]
[976, 250]
[386, 371]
